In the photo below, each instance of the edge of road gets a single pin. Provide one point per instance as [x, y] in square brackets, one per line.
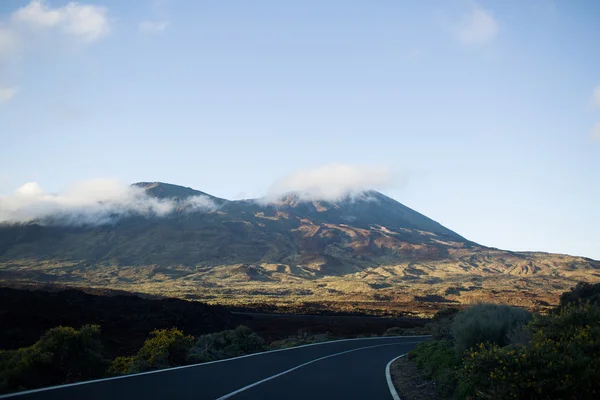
[200, 364]
[388, 377]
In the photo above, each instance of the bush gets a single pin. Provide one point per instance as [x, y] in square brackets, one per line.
[62, 355]
[484, 323]
[166, 348]
[226, 344]
[300, 339]
[441, 322]
[581, 293]
[121, 366]
[562, 360]
[438, 361]
[394, 331]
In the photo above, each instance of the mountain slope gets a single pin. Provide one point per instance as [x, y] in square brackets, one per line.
[366, 248]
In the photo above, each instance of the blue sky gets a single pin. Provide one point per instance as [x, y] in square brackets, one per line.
[484, 116]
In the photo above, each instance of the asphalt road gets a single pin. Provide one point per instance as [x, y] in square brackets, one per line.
[349, 369]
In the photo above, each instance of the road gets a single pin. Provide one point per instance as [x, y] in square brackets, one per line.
[349, 369]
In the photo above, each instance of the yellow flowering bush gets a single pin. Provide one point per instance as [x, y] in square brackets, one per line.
[165, 348]
[561, 361]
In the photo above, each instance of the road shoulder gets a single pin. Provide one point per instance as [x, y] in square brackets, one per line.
[410, 382]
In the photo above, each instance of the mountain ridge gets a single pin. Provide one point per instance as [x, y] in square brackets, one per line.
[295, 200]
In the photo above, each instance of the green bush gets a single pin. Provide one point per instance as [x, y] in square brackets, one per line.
[484, 323]
[226, 344]
[62, 355]
[432, 356]
[166, 348]
[581, 293]
[562, 360]
[438, 361]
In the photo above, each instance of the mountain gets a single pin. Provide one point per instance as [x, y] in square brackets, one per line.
[364, 250]
[167, 191]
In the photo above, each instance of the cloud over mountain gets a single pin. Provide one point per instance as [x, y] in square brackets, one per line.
[91, 202]
[105, 200]
[333, 181]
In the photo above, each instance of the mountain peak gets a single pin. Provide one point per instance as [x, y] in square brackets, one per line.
[296, 198]
[163, 190]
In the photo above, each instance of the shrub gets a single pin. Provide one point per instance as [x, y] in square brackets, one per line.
[441, 322]
[62, 355]
[438, 361]
[166, 348]
[394, 331]
[561, 361]
[300, 339]
[486, 323]
[121, 366]
[581, 293]
[225, 344]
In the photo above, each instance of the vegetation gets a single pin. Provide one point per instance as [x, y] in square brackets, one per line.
[486, 323]
[493, 352]
[226, 344]
[61, 355]
[439, 362]
[562, 360]
[300, 339]
[441, 323]
[583, 292]
[65, 354]
[166, 348]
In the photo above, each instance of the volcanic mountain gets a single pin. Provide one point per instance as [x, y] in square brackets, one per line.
[363, 250]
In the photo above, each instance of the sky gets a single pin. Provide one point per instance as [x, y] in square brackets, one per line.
[483, 115]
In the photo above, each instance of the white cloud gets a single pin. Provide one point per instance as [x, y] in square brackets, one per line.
[90, 202]
[153, 27]
[7, 93]
[86, 22]
[596, 97]
[333, 181]
[477, 27]
[38, 23]
[596, 132]
[38, 15]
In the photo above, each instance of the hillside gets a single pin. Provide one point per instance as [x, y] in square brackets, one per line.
[362, 251]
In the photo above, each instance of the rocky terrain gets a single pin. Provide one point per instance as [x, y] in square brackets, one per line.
[362, 252]
[126, 319]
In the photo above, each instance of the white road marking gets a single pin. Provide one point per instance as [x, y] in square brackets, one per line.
[197, 365]
[303, 365]
[388, 377]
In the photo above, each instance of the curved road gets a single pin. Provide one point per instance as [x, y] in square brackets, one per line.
[350, 369]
